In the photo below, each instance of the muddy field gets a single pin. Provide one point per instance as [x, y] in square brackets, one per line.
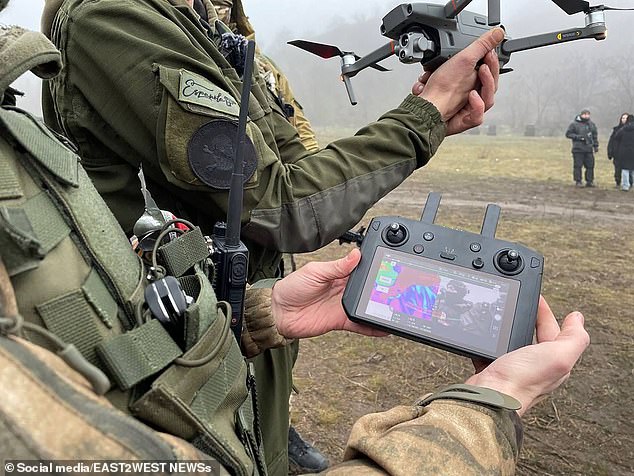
[586, 236]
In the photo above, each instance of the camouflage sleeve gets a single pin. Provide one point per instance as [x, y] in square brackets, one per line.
[259, 330]
[49, 412]
[445, 437]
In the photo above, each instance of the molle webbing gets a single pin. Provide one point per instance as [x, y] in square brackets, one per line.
[9, 183]
[182, 254]
[138, 354]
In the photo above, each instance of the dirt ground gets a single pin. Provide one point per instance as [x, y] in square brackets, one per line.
[585, 234]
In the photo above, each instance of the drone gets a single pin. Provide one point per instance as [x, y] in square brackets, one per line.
[431, 34]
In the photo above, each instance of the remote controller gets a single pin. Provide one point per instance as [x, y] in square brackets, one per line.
[469, 294]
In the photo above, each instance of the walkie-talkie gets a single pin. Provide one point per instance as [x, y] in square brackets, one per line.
[230, 255]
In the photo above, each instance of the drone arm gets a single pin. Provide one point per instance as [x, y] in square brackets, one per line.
[454, 7]
[597, 32]
[381, 53]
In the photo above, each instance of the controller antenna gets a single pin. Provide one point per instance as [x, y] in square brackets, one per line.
[431, 208]
[490, 223]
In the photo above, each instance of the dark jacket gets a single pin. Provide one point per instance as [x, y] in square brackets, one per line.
[624, 146]
[611, 141]
[584, 135]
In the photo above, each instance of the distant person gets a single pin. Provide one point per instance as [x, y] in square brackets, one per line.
[617, 166]
[624, 152]
[585, 140]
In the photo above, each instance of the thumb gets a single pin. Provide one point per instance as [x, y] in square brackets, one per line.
[344, 266]
[573, 337]
[487, 42]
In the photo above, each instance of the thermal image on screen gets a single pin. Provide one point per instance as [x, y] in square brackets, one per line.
[405, 290]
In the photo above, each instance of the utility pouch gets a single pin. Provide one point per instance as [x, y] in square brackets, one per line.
[202, 396]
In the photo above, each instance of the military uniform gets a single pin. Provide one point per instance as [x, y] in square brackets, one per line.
[44, 398]
[146, 82]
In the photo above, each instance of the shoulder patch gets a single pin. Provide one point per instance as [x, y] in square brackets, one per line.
[210, 154]
[195, 89]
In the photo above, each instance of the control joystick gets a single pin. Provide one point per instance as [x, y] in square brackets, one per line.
[509, 261]
[395, 234]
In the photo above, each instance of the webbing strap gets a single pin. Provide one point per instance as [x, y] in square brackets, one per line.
[138, 354]
[9, 183]
[100, 298]
[71, 318]
[47, 150]
[181, 254]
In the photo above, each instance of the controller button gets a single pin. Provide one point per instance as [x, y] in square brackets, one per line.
[376, 225]
[535, 263]
[475, 247]
[396, 234]
[448, 256]
[418, 249]
[428, 236]
[478, 263]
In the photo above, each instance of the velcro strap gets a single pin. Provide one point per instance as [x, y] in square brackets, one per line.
[138, 354]
[71, 318]
[184, 252]
[472, 393]
[47, 150]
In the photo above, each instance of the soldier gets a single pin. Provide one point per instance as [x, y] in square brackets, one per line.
[231, 12]
[303, 457]
[169, 102]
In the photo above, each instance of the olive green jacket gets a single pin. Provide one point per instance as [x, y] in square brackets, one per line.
[142, 78]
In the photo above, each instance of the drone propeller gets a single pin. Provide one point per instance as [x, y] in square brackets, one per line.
[577, 6]
[328, 51]
[573, 6]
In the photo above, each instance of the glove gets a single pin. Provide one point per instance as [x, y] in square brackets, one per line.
[609, 158]
[596, 149]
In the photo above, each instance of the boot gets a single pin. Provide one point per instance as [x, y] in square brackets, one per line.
[302, 456]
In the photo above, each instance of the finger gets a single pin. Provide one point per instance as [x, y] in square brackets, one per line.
[492, 61]
[363, 330]
[477, 108]
[418, 88]
[424, 77]
[547, 327]
[487, 90]
[479, 48]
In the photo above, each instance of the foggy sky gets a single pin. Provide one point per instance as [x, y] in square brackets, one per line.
[278, 21]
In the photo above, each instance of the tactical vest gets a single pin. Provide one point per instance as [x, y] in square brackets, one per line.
[75, 274]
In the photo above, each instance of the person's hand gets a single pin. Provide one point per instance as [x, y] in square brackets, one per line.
[596, 149]
[307, 303]
[460, 90]
[530, 373]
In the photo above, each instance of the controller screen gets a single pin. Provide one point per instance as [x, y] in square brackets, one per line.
[440, 301]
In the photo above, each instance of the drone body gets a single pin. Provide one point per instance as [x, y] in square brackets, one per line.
[430, 34]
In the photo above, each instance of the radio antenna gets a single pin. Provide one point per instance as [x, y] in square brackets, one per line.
[236, 192]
